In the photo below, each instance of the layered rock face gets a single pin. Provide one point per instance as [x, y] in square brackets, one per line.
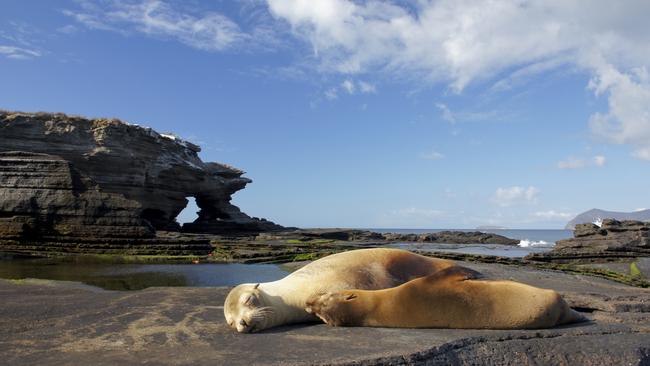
[613, 239]
[72, 176]
[44, 195]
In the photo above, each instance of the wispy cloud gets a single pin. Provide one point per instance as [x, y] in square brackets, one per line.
[209, 31]
[18, 53]
[453, 117]
[579, 163]
[446, 113]
[366, 87]
[432, 155]
[552, 215]
[331, 94]
[515, 195]
[20, 41]
[350, 87]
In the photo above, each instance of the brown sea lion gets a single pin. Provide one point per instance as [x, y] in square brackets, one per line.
[254, 307]
[455, 297]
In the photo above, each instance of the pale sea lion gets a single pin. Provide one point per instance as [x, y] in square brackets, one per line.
[455, 297]
[254, 307]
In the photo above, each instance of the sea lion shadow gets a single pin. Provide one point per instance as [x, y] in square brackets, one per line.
[580, 324]
[288, 327]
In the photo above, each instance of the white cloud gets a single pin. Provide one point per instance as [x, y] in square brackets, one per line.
[553, 215]
[18, 53]
[579, 163]
[515, 195]
[68, 29]
[413, 217]
[599, 160]
[571, 163]
[628, 119]
[433, 155]
[367, 88]
[461, 42]
[348, 86]
[419, 212]
[208, 31]
[467, 115]
[331, 94]
[447, 114]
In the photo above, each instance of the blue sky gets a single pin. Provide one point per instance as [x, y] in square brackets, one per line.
[441, 114]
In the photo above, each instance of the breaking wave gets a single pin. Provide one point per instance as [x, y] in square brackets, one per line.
[530, 243]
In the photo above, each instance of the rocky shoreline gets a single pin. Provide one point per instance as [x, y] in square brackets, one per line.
[171, 326]
[613, 239]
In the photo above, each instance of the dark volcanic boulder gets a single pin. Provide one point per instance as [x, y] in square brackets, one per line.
[613, 239]
[150, 174]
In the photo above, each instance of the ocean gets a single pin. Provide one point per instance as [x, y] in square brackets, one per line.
[531, 241]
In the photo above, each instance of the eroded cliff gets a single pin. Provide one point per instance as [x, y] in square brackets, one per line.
[72, 176]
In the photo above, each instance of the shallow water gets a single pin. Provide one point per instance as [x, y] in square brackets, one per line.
[140, 276]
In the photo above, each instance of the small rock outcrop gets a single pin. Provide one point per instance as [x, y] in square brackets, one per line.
[70, 176]
[453, 237]
[353, 235]
[613, 239]
[595, 214]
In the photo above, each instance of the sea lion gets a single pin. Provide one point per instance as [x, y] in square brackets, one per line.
[455, 297]
[254, 307]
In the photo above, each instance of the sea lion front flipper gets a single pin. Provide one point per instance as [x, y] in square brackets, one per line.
[332, 307]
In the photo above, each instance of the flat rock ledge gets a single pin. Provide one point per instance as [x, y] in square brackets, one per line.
[612, 240]
[352, 235]
[55, 324]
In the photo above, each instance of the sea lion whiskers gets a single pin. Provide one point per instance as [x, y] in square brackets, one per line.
[261, 313]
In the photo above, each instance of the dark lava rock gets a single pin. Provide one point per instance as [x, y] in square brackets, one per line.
[69, 176]
[452, 237]
[613, 239]
[155, 171]
[354, 235]
[45, 195]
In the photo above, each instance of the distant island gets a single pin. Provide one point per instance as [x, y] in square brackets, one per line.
[595, 215]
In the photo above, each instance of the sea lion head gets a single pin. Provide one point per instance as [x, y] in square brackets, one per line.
[245, 309]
